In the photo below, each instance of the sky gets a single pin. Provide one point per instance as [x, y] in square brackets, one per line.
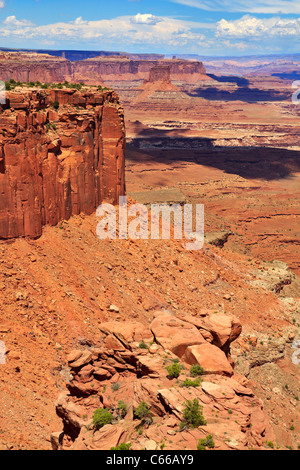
[211, 28]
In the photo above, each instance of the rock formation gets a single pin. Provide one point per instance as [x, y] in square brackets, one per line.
[132, 367]
[114, 69]
[61, 153]
[160, 73]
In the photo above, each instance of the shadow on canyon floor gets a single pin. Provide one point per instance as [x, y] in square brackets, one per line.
[239, 80]
[243, 93]
[247, 162]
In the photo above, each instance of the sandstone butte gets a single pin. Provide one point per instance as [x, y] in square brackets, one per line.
[55, 163]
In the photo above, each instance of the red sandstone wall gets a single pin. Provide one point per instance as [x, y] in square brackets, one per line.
[95, 70]
[34, 67]
[26, 67]
[48, 174]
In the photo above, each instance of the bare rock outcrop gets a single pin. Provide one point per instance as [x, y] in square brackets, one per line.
[130, 375]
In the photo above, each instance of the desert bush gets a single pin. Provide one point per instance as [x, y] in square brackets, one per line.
[102, 417]
[143, 411]
[196, 370]
[192, 415]
[122, 446]
[115, 386]
[174, 370]
[191, 383]
[122, 409]
[207, 442]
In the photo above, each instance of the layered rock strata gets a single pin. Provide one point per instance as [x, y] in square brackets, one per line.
[61, 154]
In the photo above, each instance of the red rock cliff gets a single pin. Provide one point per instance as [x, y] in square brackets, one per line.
[57, 163]
[31, 67]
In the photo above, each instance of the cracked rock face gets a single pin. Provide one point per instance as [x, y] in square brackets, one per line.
[55, 163]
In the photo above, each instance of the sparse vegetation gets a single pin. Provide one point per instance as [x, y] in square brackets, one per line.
[122, 446]
[122, 409]
[115, 386]
[143, 411]
[207, 442]
[191, 383]
[196, 370]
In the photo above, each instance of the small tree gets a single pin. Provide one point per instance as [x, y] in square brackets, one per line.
[192, 415]
[143, 413]
[55, 105]
[122, 409]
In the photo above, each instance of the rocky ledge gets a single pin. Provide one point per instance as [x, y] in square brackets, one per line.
[170, 386]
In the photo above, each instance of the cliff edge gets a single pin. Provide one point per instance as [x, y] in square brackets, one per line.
[61, 153]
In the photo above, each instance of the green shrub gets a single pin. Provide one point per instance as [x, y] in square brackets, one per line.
[122, 446]
[207, 442]
[192, 415]
[143, 345]
[196, 370]
[102, 417]
[115, 386]
[174, 370]
[142, 411]
[55, 105]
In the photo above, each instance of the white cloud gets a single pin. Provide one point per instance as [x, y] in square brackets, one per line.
[2, 4]
[79, 20]
[12, 21]
[121, 31]
[251, 27]
[144, 19]
[249, 6]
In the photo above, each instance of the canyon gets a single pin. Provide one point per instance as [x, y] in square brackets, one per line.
[90, 323]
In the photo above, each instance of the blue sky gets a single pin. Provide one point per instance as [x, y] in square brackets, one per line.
[220, 27]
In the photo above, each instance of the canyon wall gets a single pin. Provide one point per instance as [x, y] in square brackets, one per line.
[55, 163]
[32, 67]
[124, 69]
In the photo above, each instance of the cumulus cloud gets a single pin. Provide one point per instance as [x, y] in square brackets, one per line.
[251, 27]
[12, 21]
[144, 19]
[249, 6]
[2, 4]
[119, 32]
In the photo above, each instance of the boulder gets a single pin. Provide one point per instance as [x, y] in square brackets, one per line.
[174, 334]
[212, 359]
